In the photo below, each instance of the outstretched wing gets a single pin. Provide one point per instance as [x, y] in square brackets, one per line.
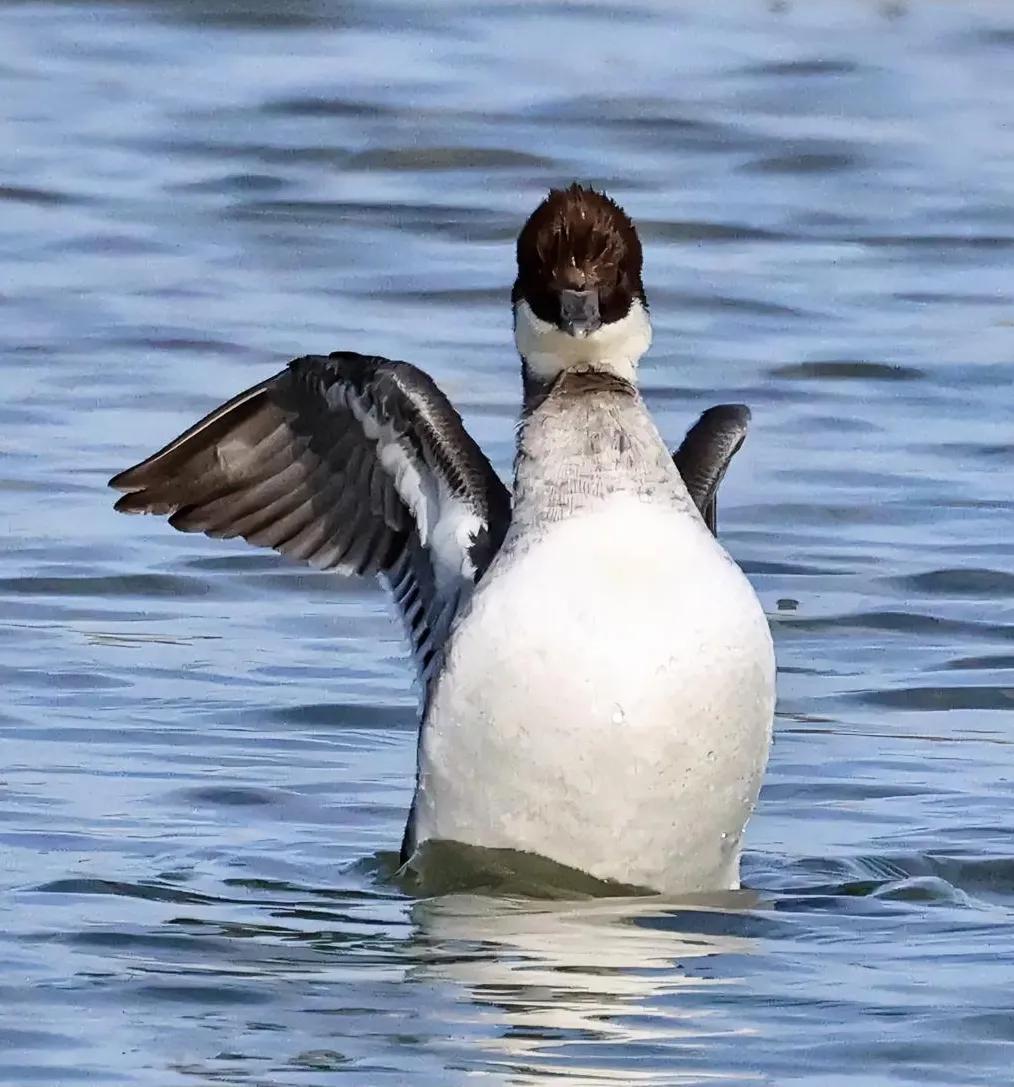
[351, 463]
[705, 453]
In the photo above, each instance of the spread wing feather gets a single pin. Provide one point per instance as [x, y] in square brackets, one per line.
[705, 453]
[348, 462]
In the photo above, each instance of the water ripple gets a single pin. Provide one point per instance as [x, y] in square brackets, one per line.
[208, 754]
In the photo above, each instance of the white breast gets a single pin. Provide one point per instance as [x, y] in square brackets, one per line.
[606, 702]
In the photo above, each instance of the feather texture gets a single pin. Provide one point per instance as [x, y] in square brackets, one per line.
[348, 462]
[705, 453]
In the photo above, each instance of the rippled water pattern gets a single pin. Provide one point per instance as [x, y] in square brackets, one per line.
[207, 753]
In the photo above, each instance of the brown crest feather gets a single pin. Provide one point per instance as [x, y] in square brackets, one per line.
[579, 239]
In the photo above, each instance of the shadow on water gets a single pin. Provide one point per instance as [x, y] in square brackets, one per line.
[441, 868]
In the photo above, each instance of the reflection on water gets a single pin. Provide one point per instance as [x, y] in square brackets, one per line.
[569, 988]
[207, 754]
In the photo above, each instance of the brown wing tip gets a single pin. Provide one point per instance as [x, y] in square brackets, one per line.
[141, 490]
[142, 502]
[160, 467]
[122, 481]
[144, 473]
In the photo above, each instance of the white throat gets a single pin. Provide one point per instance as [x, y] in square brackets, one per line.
[615, 347]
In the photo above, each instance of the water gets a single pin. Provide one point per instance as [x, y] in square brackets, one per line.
[207, 754]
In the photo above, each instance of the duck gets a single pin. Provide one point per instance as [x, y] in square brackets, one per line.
[596, 673]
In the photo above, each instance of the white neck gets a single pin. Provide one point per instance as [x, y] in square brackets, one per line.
[615, 347]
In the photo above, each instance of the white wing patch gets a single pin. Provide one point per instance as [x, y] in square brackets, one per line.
[444, 523]
[454, 533]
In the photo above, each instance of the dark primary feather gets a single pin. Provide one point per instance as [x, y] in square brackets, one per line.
[705, 453]
[348, 462]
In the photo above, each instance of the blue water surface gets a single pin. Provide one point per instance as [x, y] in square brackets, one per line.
[206, 753]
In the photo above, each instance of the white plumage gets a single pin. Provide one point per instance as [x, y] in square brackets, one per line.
[607, 694]
[548, 351]
[606, 702]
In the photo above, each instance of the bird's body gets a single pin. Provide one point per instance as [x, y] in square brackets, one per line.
[609, 682]
[597, 673]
